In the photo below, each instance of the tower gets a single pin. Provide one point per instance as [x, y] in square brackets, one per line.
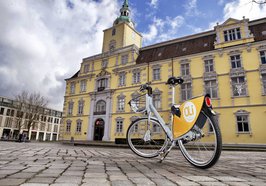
[122, 33]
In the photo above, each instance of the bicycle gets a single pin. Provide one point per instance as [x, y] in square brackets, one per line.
[194, 128]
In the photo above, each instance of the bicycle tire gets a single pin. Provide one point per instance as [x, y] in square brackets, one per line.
[147, 149]
[192, 150]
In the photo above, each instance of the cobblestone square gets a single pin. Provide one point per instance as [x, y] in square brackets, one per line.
[55, 164]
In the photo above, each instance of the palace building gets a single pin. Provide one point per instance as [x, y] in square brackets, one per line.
[228, 62]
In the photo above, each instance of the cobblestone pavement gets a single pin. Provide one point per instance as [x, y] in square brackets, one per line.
[54, 164]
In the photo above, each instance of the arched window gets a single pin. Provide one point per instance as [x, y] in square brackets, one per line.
[100, 107]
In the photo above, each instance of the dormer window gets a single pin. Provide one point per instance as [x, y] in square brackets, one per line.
[232, 34]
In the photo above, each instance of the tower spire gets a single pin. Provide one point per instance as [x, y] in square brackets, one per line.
[124, 15]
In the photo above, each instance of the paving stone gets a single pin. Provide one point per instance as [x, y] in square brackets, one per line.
[213, 184]
[22, 175]
[229, 179]
[69, 179]
[34, 184]
[41, 180]
[200, 178]
[11, 181]
[121, 183]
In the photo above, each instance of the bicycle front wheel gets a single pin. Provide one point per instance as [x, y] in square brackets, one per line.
[203, 144]
[146, 139]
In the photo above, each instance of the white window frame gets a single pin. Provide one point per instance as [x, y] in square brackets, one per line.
[83, 85]
[235, 62]
[72, 87]
[239, 83]
[122, 79]
[209, 65]
[121, 103]
[185, 69]
[70, 107]
[232, 34]
[80, 107]
[79, 126]
[187, 90]
[68, 126]
[156, 72]
[136, 77]
[119, 125]
[212, 86]
[124, 59]
[244, 120]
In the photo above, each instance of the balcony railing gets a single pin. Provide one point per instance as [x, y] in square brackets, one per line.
[100, 113]
[101, 89]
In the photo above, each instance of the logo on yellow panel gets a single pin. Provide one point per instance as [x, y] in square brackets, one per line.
[189, 111]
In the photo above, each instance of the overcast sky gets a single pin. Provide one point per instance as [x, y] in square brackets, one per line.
[42, 42]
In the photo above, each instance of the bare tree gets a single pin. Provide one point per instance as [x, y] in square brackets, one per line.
[32, 106]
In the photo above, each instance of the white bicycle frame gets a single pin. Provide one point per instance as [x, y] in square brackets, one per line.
[151, 109]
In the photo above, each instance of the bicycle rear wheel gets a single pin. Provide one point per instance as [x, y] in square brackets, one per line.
[203, 144]
[146, 139]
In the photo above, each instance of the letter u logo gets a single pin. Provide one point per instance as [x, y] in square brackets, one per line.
[189, 111]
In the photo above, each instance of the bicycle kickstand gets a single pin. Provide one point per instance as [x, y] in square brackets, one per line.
[163, 154]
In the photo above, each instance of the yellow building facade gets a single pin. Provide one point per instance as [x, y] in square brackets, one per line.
[228, 62]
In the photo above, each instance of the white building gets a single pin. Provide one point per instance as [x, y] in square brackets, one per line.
[45, 129]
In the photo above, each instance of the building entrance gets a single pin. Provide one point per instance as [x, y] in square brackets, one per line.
[98, 129]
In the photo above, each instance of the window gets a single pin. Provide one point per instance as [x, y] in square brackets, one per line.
[113, 31]
[121, 103]
[242, 123]
[101, 106]
[55, 128]
[232, 34]
[156, 74]
[136, 77]
[79, 125]
[186, 91]
[239, 87]
[2, 111]
[263, 57]
[104, 63]
[209, 65]
[72, 88]
[211, 88]
[8, 112]
[136, 128]
[112, 45]
[157, 99]
[124, 59]
[68, 126]
[122, 79]
[83, 86]
[185, 69]
[102, 84]
[235, 61]
[264, 82]
[119, 126]
[80, 107]
[70, 108]
[156, 128]
[86, 68]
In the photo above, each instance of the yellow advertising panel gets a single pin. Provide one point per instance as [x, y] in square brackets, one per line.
[189, 113]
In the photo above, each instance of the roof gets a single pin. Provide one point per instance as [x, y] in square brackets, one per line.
[202, 42]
